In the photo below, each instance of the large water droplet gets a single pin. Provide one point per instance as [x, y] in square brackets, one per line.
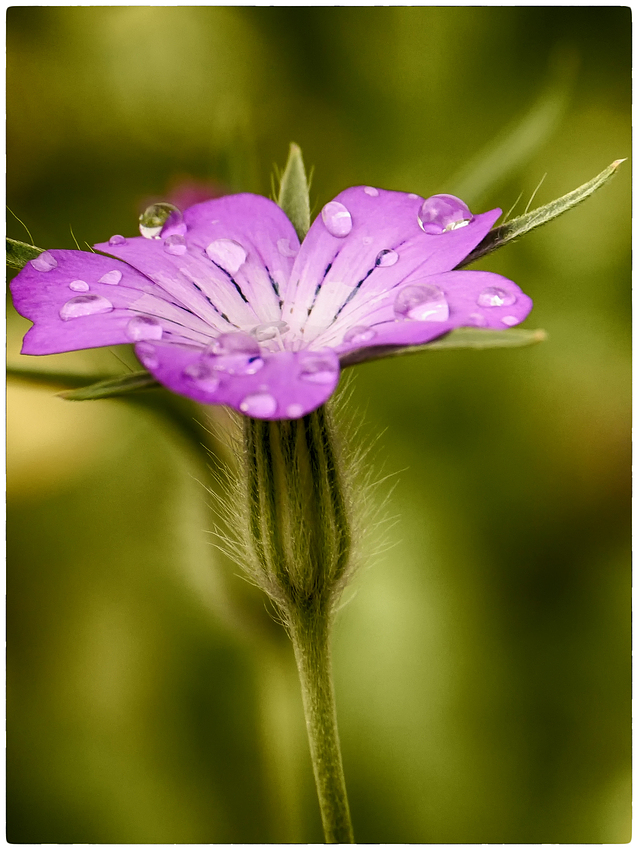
[386, 258]
[294, 411]
[44, 262]
[269, 330]
[85, 305]
[337, 219]
[143, 327]
[117, 240]
[495, 296]
[236, 353]
[370, 190]
[286, 249]
[227, 253]
[112, 278]
[510, 321]
[175, 244]
[442, 213]
[359, 334]
[259, 404]
[319, 368]
[422, 302]
[201, 373]
[155, 217]
[147, 355]
[79, 286]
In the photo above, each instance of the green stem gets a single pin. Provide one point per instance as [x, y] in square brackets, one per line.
[309, 632]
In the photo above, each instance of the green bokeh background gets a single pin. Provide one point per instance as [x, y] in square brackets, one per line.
[482, 664]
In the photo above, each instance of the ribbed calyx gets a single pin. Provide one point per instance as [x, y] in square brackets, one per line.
[299, 529]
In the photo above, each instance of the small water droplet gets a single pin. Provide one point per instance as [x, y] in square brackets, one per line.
[370, 190]
[236, 353]
[44, 262]
[294, 411]
[285, 249]
[143, 327]
[79, 286]
[227, 253]
[85, 305]
[259, 404]
[337, 219]
[368, 240]
[269, 330]
[112, 278]
[117, 240]
[319, 368]
[155, 217]
[495, 296]
[424, 303]
[510, 321]
[147, 355]
[477, 320]
[203, 376]
[359, 334]
[442, 213]
[175, 244]
[413, 196]
[386, 258]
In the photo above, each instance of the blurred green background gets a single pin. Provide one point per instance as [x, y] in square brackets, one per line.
[483, 662]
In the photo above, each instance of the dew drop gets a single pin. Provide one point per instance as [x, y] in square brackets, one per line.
[477, 320]
[337, 219]
[494, 296]
[227, 253]
[442, 213]
[425, 303]
[205, 378]
[318, 368]
[294, 411]
[269, 330]
[155, 219]
[413, 196]
[285, 249]
[175, 244]
[510, 321]
[143, 327]
[386, 258]
[147, 355]
[368, 240]
[112, 278]
[117, 240]
[236, 353]
[370, 190]
[44, 262]
[259, 404]
[85, 305]
[79, 286]
[359, 334]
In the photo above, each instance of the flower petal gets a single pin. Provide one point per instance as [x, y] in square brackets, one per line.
[284, 385]
[381, 245]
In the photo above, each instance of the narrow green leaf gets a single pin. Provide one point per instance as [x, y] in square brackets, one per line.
[461, 338]
[19, 253]
[500, 236]
[121, 385]
[293, 192]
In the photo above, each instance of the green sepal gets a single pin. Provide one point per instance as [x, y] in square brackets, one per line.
[294, 189]
[500, 236]
[19, 253]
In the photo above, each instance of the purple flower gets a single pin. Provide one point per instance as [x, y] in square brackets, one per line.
[224, 305]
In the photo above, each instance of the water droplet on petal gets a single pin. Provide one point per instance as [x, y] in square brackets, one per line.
[495, 296]
[154, 218]
[143, 327]
[368, 240]
[359, 334]
[337, 219]
[424, 303]
[269, 330]
[442, 213]
[85, 305]
[112, 278]
[285, 249]
[319, 368]
[44, 262]
[477, 320]
[236, 353]
[147, 355]
[259, 404]
[510, 321]
[79, 286]
[117, 240]
[413, 196]
[205, 378]
[386, 258]
[227, 253]
[370, 190]
[175, 244]
[294, 411]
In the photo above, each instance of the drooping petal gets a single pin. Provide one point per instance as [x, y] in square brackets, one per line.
[282, 385]
[366, 242]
